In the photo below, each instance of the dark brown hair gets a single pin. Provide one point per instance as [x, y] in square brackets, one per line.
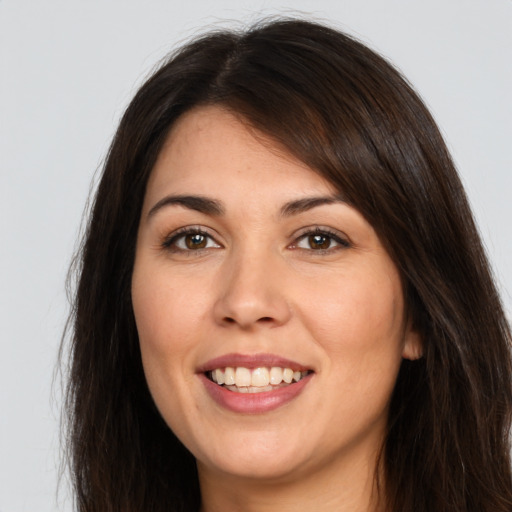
[350, 116]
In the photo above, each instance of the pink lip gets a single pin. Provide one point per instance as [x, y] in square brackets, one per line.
[250, 361]
[253, 403]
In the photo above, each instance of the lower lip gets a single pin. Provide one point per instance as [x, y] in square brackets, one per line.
[254, 403]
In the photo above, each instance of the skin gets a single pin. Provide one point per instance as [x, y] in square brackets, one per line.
[259, 286]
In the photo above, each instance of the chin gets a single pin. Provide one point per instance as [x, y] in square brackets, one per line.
[263, 458]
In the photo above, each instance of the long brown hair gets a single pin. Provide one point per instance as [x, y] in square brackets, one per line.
[350, 116]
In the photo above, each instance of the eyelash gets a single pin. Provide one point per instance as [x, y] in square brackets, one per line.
[170, 242]
[343, 243]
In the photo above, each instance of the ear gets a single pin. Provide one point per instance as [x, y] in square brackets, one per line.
[413, 344]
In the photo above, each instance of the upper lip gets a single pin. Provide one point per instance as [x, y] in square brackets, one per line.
[251, 362]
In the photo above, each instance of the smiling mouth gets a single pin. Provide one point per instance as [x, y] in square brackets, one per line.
[256, 380]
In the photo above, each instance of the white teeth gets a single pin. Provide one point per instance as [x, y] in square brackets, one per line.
[260, 377]
[288, 375]
[219, 376]
[229, 376]
[245, 380]
[250, 389]
[242, 377]
[276, 375]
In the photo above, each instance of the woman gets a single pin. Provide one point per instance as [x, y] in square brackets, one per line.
[283, 300]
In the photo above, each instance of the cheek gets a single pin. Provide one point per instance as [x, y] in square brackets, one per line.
[166, 320]
[359, 309]
[167, 311]
[163, 330]
[358, 322]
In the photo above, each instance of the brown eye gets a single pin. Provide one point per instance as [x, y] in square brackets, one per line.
[196, 241]
[189, 240]
[319, 241]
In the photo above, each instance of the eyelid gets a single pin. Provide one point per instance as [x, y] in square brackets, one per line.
[339, 237]
[181, 232]
[341, 240]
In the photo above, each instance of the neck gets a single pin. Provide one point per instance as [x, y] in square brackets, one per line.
[347, 487]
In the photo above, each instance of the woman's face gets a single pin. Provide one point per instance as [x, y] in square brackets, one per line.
[251, 269]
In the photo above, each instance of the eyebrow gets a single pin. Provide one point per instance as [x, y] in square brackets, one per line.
[198, 203]
[307, 203]
[214, 207]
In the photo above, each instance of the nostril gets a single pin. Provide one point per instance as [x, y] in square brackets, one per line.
[263, 319]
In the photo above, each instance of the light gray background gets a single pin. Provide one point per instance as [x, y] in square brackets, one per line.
[68, 69]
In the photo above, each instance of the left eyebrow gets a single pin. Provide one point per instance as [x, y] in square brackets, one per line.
[307, 203]
[198, 203]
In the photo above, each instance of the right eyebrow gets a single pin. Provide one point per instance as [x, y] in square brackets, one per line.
[198, 203]
[308, 203]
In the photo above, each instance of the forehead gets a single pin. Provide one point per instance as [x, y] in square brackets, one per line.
[212, 151]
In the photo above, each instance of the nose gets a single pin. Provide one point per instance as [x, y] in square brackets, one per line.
[252, 293]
